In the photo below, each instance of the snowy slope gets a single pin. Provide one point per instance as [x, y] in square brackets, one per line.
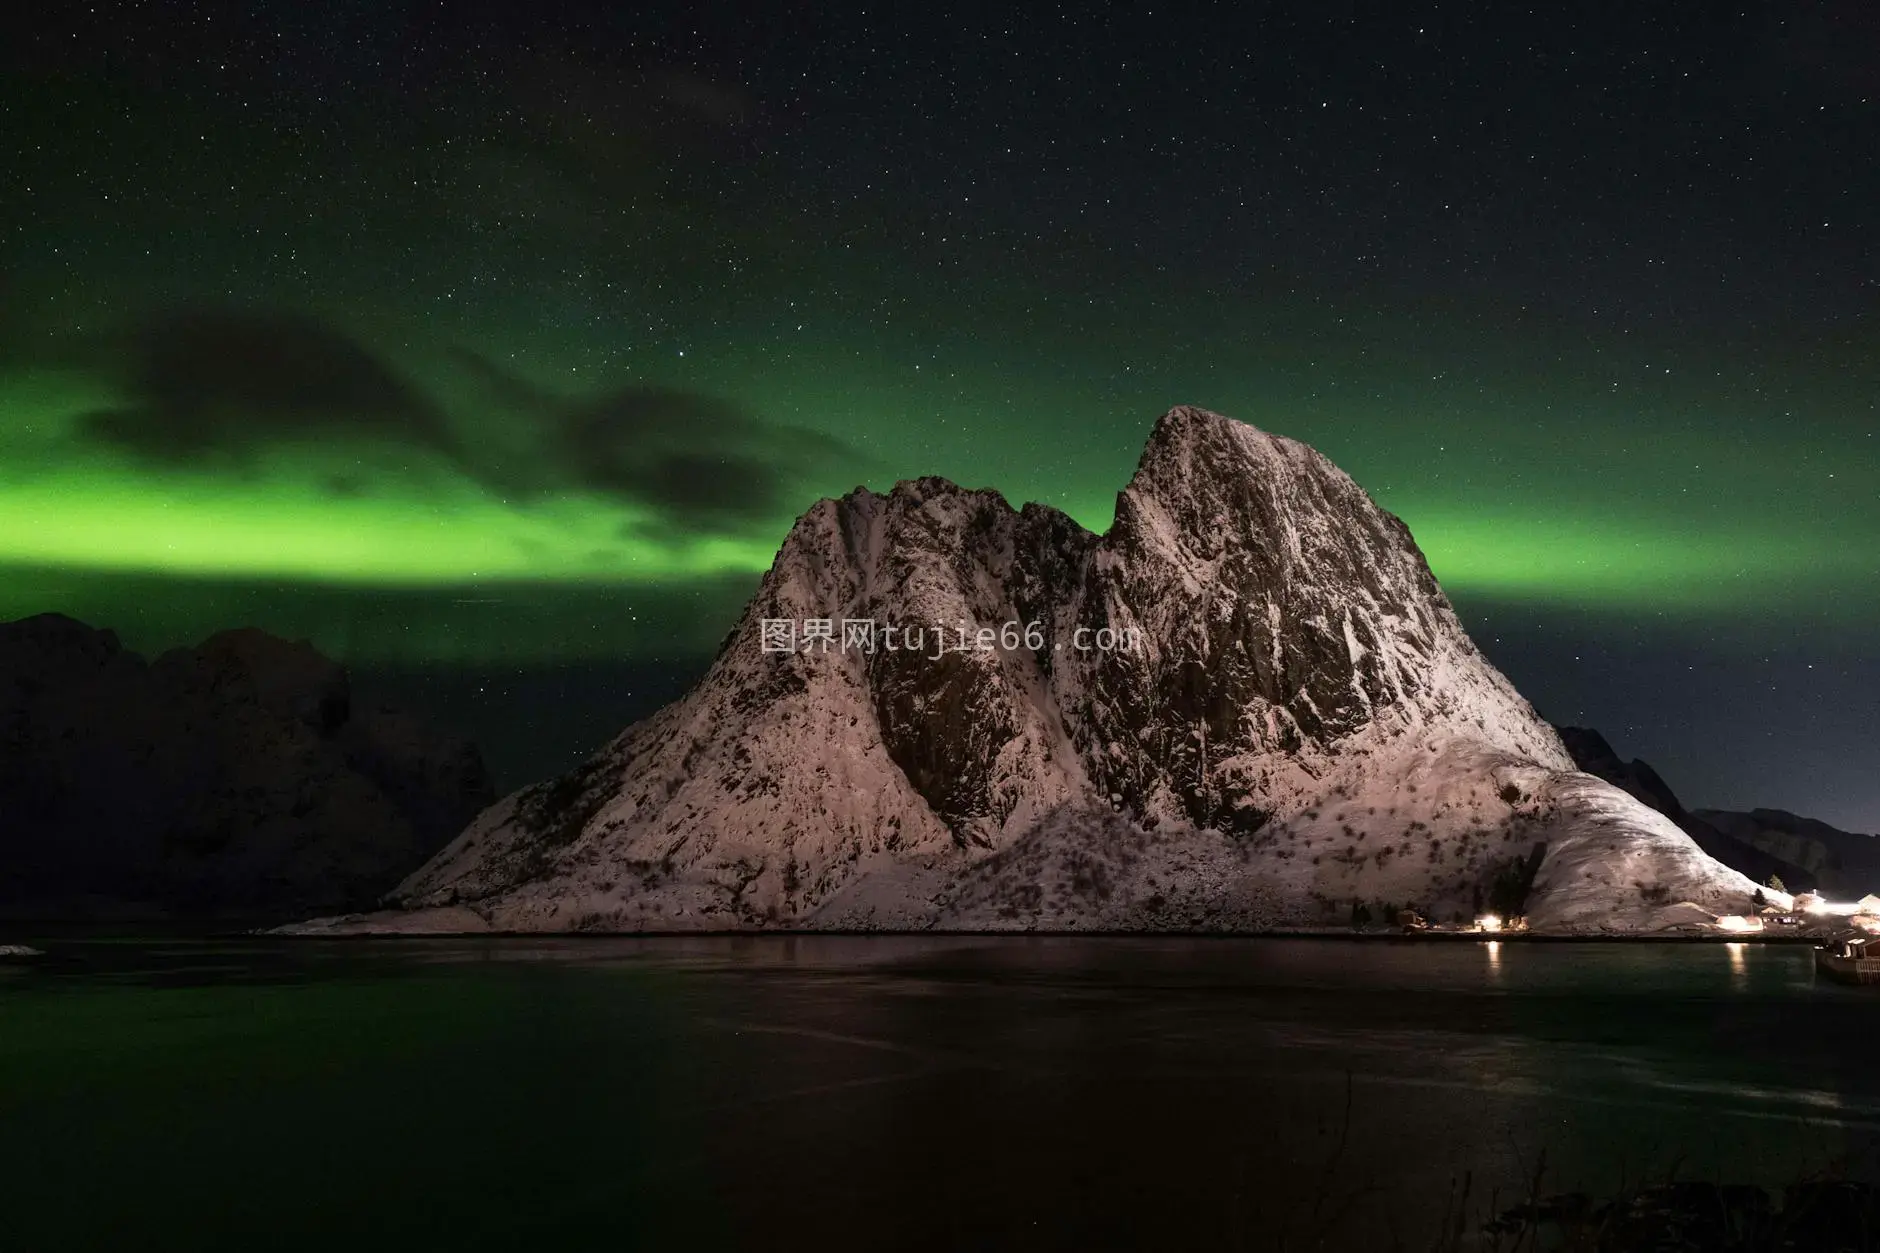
[1288, 717]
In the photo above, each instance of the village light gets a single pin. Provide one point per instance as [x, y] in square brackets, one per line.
[1731, 922]
[1816, 905]
[1488, 922]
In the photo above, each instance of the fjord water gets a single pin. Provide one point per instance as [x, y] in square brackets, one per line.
[834, 1093]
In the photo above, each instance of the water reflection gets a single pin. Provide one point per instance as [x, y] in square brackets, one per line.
[1152, 1092]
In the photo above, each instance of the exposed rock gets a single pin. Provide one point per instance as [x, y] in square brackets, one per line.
[1288, 718]
[234, 779]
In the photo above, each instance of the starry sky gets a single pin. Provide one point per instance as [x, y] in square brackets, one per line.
[495, 347]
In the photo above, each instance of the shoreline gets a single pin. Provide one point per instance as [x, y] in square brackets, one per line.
[69, 931]
[1342, 935]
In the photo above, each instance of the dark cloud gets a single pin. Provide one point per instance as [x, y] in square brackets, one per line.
[509, 391]
[698, 461]
[707, 484]
[225, 383]
[223, 386]
[688, 456]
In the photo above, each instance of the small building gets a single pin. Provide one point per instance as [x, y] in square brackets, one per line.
[1868, 904]
[1854, 960]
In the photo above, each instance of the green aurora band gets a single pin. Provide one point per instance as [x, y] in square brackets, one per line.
[417, 560]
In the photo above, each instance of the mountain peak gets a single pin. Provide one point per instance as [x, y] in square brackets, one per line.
[1207, 471]
[1246, 702]
[1184, 420]
[1187, 430]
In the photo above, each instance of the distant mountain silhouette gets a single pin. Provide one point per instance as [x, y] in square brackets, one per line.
[237, 779]
[1805, 854]
[1846, 864]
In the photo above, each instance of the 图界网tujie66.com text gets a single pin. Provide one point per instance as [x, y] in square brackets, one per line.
[866, 635]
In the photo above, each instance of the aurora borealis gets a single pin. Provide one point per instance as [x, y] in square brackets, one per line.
[517, 344]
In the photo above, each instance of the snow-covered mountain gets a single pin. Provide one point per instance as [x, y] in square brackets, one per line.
[1246, 705]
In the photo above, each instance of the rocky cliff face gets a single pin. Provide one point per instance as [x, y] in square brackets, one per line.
[236, 779]
[1248, 704]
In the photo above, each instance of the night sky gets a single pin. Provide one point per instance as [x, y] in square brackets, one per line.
[494, 348]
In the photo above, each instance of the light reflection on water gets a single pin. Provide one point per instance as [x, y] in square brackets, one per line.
[1157, 1086]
